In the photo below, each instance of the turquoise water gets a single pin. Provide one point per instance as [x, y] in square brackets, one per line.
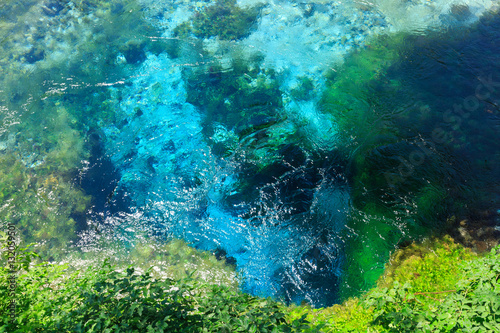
[300, 142]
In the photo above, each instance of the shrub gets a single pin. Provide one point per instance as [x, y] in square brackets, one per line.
[473, 305]
[54, 298]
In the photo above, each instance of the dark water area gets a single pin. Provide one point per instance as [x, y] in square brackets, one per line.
[304, 180]
[100, 180]
[429, 150]
[456, 76]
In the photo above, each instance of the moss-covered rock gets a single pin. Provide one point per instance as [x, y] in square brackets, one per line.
[244, 100]
[223, 19]
[303, 89]
[430, 266]
[43, 207]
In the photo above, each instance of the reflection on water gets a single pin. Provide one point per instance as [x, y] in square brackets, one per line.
[300, 143]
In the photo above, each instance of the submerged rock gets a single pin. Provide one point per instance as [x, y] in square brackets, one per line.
[34, 55]
[479, 231]
[52, 8]
[134, 52]
[223, 19]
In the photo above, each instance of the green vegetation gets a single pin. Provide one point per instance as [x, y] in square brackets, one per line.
[472, 305]
[357, 98]
[431, 266]
[236, 97]
[351, 316]
[304, 88]
[56, 298]
[437, 286]
[36, 180]
[174, 259]
[223, 19]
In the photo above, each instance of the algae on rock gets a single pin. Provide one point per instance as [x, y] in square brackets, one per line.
[223, 19]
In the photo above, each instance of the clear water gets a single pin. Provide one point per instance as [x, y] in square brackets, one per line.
[302, 144]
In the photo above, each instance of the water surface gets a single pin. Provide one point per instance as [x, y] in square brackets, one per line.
[299, 142]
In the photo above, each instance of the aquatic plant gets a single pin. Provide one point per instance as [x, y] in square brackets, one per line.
[303, 89]
[223, 19]
[176, 259]
[245, 101]
[49, 112]
[406, 184]
[428, 267]
[347, 98]
[38, 190]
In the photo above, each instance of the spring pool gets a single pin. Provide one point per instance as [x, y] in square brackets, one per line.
[301, 142]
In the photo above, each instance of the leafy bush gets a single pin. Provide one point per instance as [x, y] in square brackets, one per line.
[351, 316]
[52, 298]
[435, 286]
[57, 298]
[473, 306]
